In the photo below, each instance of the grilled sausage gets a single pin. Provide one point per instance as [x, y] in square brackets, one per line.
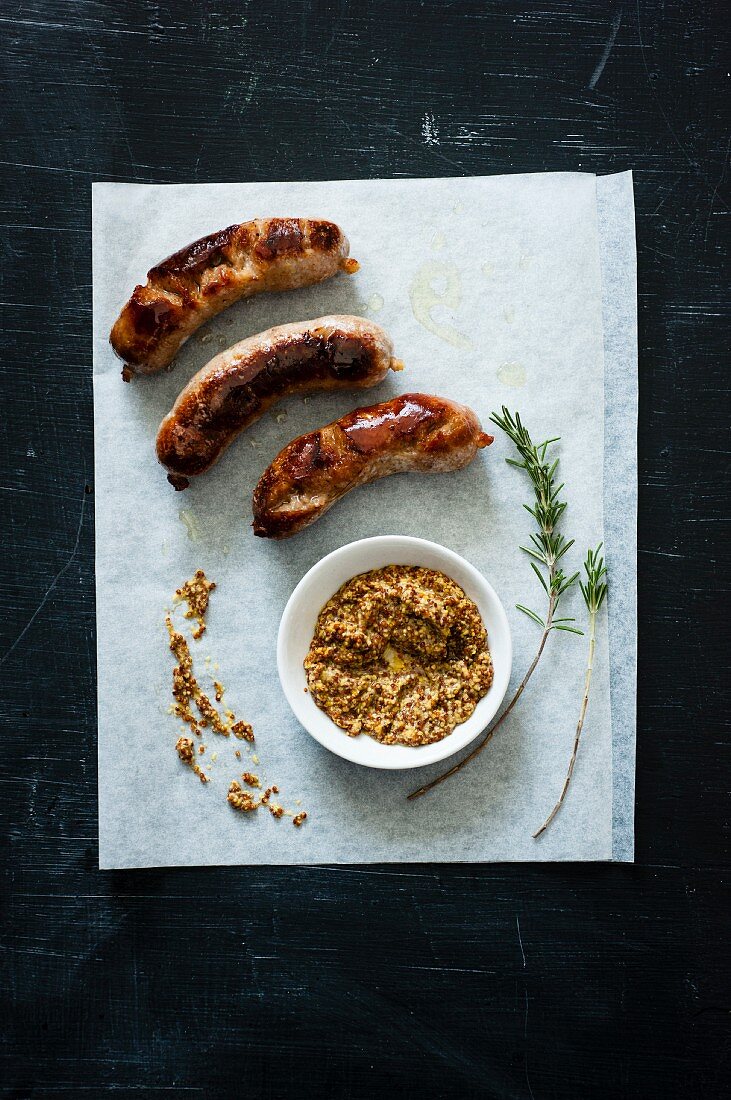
[240, 384]
[199, 281]
[413, 432]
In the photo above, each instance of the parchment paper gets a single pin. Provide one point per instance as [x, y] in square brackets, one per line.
[504, 290]
[615, 206]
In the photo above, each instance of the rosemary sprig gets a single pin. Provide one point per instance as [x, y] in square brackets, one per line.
[548, 544]
[548, 547]
[594, 591]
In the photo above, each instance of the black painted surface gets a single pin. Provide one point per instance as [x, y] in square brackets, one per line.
[525, 982]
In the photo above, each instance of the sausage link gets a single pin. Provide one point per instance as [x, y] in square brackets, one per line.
[413, 432]
[240, 384]
[199, 281]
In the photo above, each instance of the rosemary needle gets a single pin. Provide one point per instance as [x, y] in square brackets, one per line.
[548, 547]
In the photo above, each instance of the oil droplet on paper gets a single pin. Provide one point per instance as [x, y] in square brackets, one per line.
[375, 302]
[509, 315]
[524, 262]
[488, 269]
[511, 374]
[438, 242]
[191, 524]
[424, 296]
[458, 207]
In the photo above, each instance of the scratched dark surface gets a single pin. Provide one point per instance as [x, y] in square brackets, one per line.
[489, 981]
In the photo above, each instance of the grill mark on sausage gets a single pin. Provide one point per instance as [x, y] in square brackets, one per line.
[205, 252]
[309, 360]
[284, 238]
[152, 319]
[369, 432]
[324, 236]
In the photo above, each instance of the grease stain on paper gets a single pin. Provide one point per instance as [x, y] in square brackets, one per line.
[191, 524]
[512, 374]
[424, 296]
[375, 303]
[438, 242]
[488, 269]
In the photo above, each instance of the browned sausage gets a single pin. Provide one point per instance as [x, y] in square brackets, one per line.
[199, 281]
[413, 432]
[240, 384]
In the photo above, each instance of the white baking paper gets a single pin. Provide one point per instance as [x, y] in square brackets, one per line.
[504, 290]
[615, 205]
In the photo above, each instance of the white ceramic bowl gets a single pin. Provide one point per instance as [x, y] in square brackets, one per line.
[322, 582]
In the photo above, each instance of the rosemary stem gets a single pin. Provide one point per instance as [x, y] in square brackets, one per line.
[579, 727]
[492, 730]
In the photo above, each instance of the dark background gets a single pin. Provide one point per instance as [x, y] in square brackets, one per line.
[497, 981]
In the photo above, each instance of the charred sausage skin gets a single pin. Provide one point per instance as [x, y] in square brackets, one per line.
[236, 387]
[414, 432]
[196, 283]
